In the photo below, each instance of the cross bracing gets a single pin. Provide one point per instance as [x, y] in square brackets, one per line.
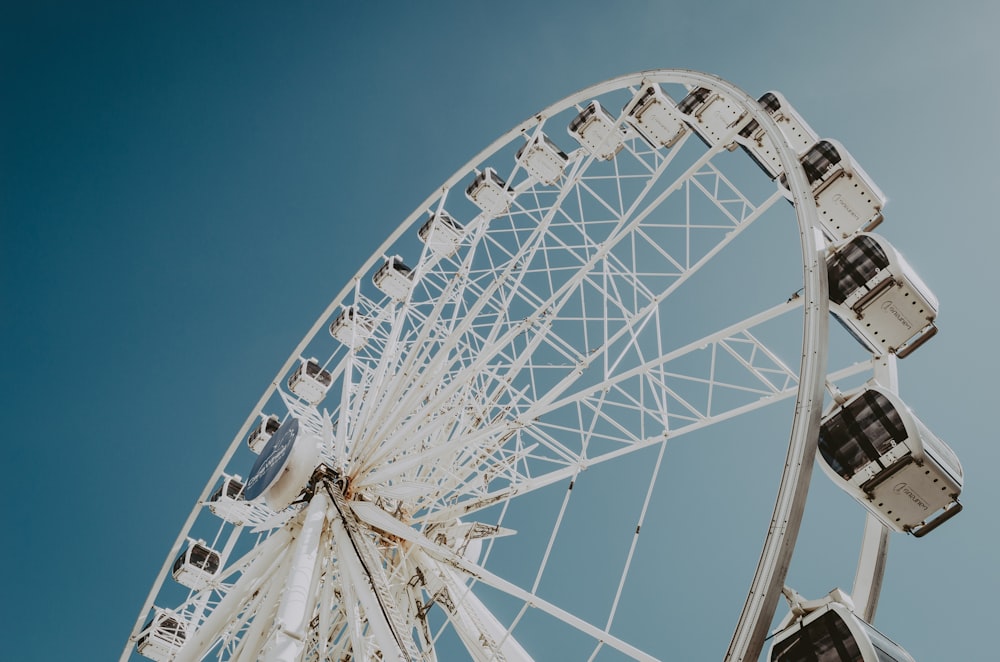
[541, 343]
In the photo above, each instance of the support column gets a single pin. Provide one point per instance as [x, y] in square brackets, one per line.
[295, 607]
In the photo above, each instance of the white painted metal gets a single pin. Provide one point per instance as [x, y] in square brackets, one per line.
[517, 353]
[597, 131]
[714, 113]
[760, 145]
[893, 310]
[654, 115]
[542, 159]
[481, 632]
[296, 604]
[847, 198]
[310, 382]
[393, 278]
[875, 541]
[490, 193]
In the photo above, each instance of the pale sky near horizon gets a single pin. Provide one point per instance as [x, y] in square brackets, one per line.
[184, 186]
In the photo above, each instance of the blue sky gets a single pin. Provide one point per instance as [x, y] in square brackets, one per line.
[184, 187]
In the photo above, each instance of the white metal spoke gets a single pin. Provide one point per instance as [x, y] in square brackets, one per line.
[556, 323]
[447, 556]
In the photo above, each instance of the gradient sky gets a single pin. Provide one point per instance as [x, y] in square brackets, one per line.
[183, 186]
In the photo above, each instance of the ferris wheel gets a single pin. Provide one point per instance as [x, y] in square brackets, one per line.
[648, 263]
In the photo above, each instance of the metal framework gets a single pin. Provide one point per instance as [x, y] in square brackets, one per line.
[556, 325]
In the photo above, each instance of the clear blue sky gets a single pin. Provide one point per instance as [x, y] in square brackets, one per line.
[183, 186]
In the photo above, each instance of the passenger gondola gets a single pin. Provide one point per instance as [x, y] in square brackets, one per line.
[162, 637]
[833, 633]
[262, 432]
[310, 381]
[196, 566]
[227, 502]
[597, 131]
[352, 328]
[847, 199]
[441, 233]
[490, 193]
[654, 116]
[875, 449]
[711, 114]
[394, 278]
[542, 159]
[879, 298]
[760, 146]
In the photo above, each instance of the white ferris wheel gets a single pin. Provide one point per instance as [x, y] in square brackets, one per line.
[645, 264]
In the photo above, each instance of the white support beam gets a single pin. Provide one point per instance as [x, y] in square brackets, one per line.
[380, 519]
[297, 600]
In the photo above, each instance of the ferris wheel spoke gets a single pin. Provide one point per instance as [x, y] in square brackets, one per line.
[268, 566]
[521, 484]
[766, 378]
[247, 649]
[737, 333]
[485, 639]
[551, 307]
[647, 395]
[362, 568]
[551, 340]
[545, 329]
[626, 219]
[379, 519]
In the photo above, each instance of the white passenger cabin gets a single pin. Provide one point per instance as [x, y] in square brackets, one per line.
[394, 278]
[597, 131]
[352, 328]
[832, 632]
[875, 449]
[228, 503]
[490, 192]
[197, 566]
[442, 234]
[711, 114]
[310, 382]
[654, 116]
[879, 298]
[542, 159]
[761, 146]
[847, 199]
[162, 637]
[261, 434]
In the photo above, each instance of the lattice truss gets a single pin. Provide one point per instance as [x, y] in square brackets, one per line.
[543, 345]
[540, 347]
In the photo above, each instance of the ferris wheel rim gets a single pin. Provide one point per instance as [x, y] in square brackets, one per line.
[813, 361]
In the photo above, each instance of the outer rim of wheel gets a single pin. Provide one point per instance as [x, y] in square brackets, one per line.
[765, 589]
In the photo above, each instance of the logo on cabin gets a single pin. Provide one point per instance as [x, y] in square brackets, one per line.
[839, 199]
[272, 459]
[905, 490]
[890, 307]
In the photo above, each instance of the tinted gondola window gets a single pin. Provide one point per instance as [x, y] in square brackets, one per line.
[322, 376]
[204, 558]
[886, 650]
[582, 118]
[171, 630]
[818, 160]
[827, 639]
[694, 99]
[749, 129]
[861, 432]
[854, 265]
[769, 102]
